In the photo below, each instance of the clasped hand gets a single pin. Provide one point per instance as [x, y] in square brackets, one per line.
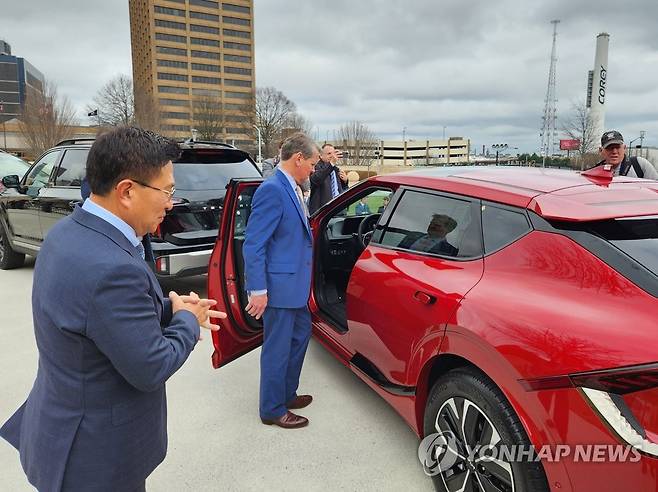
[198, 307]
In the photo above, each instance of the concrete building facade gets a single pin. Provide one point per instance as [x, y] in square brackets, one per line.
[17, 78]
[193, 65]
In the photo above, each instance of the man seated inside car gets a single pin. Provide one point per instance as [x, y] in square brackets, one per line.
[435, 240]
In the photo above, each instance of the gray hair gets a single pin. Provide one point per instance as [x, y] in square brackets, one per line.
[298, 142]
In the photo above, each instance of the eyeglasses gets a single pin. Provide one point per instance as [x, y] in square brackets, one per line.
[169, 193]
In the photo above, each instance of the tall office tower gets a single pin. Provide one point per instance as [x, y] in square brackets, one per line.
[193, 68]
[18, 79]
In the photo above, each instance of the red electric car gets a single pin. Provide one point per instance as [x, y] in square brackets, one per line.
[502, 306]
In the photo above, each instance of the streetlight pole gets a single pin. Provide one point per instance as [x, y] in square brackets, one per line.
[498, 148]
[4, 129]
[260, 143]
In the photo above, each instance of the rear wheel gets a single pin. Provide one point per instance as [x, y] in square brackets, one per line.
[8, 257]
[467, 420]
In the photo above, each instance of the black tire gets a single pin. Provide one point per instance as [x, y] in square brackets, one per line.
[8, 257]
[486, 413]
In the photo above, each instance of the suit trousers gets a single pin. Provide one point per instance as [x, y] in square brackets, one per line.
[286, 333]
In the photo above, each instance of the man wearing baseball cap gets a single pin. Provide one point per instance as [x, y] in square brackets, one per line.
[613, 151]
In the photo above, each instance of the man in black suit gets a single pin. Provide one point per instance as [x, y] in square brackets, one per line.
[327, 181]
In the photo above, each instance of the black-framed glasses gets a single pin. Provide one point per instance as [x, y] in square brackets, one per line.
[169, 193]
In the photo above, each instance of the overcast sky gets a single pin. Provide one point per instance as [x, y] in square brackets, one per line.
[477, 67]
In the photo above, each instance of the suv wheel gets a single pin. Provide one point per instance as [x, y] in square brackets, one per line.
[467, 417]
[8, 257]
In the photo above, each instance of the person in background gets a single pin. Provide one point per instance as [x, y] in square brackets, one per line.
[362, 207]
[613, 152]
[385, 203]
[328, 180]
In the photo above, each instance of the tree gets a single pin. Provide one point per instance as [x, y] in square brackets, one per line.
[46, 120]
[147, 112]
[297, 123]
[273, 111]
[115, 102]
[208, 117]
[359, 141]
[579, 126]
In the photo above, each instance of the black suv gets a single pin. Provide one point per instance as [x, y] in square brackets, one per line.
[182, 245]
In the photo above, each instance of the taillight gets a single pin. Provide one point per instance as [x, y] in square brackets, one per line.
[162, 265]
[625, 398]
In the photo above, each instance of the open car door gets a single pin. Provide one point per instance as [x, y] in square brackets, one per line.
[239, 332]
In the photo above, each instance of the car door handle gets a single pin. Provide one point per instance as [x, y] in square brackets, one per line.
[424, 298]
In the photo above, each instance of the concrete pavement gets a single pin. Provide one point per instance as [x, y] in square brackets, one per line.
[355, 441]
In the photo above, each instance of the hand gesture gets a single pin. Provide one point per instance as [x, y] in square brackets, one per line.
[198, 307]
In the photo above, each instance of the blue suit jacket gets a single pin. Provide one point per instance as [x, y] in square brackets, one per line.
[278, 245]
[96, 416]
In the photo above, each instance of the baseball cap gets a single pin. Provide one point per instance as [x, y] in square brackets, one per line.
[610, 138]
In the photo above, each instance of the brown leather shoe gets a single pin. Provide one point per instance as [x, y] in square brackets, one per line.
[300, 401]
[288, 421]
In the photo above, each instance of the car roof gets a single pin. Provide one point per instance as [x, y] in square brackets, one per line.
[552, 193]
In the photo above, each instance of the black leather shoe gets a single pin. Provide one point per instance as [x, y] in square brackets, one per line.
[287, 421]
[300, 401]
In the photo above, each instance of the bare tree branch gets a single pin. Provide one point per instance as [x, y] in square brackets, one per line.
[273, 110]
[360, 142]
[115, 102]
[147, 114]
[208, 117]
[46, 120]
[579, 126]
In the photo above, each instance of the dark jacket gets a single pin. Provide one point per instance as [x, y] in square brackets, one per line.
[321, 185]
[96, 417]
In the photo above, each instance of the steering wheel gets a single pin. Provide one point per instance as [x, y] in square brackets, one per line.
[366, 228]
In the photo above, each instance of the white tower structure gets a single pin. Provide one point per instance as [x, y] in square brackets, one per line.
[596, 87]
[549, 119]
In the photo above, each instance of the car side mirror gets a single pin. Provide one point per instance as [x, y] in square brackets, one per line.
[11, 181]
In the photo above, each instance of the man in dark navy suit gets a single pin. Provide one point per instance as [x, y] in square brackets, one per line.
[96, 417]
[277, 254]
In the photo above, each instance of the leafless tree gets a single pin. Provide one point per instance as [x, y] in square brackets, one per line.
[298, 123]
[115, 102]
[147, 112]
[579, 126]
[273, 111]
[46, 120]
[208, 117]
[359, 141]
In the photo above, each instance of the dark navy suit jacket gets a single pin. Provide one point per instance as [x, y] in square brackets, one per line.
[96, 417]
[277, 249]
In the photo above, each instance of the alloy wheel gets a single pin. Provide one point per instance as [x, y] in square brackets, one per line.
[471, 431]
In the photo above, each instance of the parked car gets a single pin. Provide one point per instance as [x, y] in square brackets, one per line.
[183, 242]
[489, 307]
[10, 164]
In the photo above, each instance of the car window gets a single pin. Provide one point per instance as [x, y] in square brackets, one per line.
[501, 227]
[434, 224]
[373, 203]
[12, 165]
[211, 176]
[72, 169]
[40, 173]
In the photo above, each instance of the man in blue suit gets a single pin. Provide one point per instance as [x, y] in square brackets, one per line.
[108, 340]
[277, 254]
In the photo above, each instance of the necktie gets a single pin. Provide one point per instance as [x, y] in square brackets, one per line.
[334, 185]
[140, 250]
[300, 197]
